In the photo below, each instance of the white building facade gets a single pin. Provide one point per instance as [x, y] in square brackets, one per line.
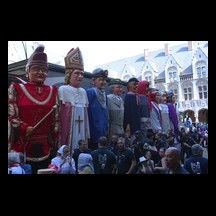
[182, 69]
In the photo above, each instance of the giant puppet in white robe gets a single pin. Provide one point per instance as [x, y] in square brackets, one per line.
[74, 102]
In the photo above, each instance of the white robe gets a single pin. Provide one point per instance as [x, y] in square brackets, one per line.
[79, 123]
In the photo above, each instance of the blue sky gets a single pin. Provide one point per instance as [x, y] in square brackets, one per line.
[96, 52]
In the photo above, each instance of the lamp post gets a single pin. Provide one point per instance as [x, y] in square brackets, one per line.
[25, 49]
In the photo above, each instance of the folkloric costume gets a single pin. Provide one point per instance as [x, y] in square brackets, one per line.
[97, 111]
[155, 115]
[28, 103]
[136, 112]
[116, 111]
[164, 113]
[174, 124]
[74, 104]
[147, 105]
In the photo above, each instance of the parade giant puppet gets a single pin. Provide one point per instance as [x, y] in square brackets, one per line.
[174, 124]
[33, 119]
[74, 102]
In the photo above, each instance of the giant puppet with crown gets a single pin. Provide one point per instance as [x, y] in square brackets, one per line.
[33, 119]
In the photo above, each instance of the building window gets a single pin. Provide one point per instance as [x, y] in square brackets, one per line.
[176, 93]
[203, 92]
[188, 93]
[148, 78]
[172, 73]
[199, 72]
[204, 71]
[174, 89]
[201, 69]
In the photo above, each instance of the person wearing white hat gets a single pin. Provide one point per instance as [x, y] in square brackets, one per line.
[63, 160]
[145, 166]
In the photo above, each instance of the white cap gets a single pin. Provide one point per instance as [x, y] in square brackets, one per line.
[141, 159]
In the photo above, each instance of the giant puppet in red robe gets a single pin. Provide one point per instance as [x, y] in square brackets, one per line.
[33, 113]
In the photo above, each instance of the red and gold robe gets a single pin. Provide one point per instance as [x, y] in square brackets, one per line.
[26, 107]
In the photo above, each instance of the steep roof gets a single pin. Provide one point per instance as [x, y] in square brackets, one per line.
[157, 59]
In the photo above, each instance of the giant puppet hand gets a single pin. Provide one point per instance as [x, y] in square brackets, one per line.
[29, 130]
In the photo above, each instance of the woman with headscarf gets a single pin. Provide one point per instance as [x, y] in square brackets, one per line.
[85, 164]
[63, 160]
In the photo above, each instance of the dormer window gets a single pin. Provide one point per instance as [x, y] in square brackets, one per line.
[172, 73]
[201, 69]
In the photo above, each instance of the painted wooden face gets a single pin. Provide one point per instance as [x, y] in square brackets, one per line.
[133, 87]
[76, 78]
[37, 74]
[99, 82]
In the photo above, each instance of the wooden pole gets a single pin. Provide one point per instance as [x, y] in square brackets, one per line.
[54, 107]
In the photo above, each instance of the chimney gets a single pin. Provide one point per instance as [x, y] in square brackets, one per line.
[167, 51]
[190, 45]
[145, 53]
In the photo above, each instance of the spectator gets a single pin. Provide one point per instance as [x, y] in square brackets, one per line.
[144, 167]
[82, 148]
[172, 160]
[104, 160]
[14, 163]
[126, 162]
[85, 164]
[63, 160]
[196, 163]
[24, 165]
